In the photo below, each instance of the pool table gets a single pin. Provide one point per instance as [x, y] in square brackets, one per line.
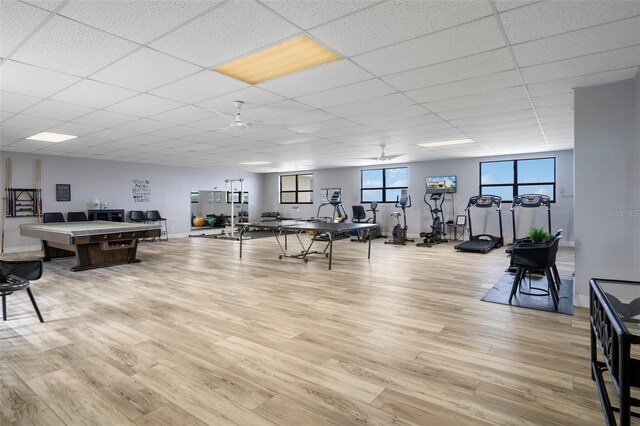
[95, 244]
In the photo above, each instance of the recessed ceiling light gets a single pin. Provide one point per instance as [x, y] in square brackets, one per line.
[255, 163]
[285, 58]
[51, 137]
[443, 143]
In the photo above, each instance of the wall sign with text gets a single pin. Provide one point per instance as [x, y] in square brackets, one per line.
[141, 191]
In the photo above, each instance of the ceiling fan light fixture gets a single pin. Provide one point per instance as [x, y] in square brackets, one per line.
[291, 56]
[445, 143]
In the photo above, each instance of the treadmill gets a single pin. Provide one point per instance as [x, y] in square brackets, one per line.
[528, 201]
[482, 243]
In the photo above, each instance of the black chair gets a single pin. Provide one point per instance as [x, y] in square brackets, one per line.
[359, 215]
[528, 257]
[154, 216]
[76, 217]
[137, 216]
[15, 276]
[52, 217]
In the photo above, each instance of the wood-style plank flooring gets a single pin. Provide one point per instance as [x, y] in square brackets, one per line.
[193, 335]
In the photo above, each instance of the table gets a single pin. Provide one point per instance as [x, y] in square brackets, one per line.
[95, 244]
[278, 228]
[615, 329]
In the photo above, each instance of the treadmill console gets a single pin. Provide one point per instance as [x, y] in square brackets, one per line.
[531, 200]
[485, 201]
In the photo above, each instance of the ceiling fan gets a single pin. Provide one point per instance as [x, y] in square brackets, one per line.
[383, 156]
[235, 123]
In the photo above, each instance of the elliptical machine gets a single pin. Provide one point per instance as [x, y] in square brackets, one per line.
[437, 225]
[399, 233]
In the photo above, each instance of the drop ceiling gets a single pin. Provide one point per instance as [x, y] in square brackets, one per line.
[134, 81]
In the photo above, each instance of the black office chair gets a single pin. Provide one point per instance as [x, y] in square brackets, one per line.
[76, 217]
[52, 217]
[528, 257]
[15, 276]
[360, 216]
[137, 216]
[154, 216]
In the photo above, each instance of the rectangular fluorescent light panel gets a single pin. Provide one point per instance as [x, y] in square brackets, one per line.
[285, 58]
[255, 163]
[444, 143]
[51, 137]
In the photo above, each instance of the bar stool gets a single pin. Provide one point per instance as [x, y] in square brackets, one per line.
[154, 216]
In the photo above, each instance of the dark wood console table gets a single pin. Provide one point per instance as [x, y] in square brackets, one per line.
[615, 330]
[111, 215]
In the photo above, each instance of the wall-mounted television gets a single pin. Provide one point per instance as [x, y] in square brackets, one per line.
[441, 184]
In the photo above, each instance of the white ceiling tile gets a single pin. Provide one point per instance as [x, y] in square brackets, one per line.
[26, 146]
[32, 81]
[198, 87]
[183, 115]
[269, 133]
[311, 13]
[112, 135]
[477, 100]
[4, 115]
[370, 105]
[522, 104]
[458, 69]
[144, 70]
[327, 76]
[17, 21]
[457, 42]
[568, 84]
[493, 118]
[503, 5]
[507, 124]
[301, 119]
[93, 94]
[470, 86]
[144, 125]
[335, 123]
[124, 17]
[562, 99]
[583, 42]
[144, 105]
[341, 95]
[546, 19]
[214, 122]
[440, 134]
[278, 109]
[5, 142]
[388, 115]
[67, 46]
[412, 124]
[45, 4]
[590, 64]
[7, 132]
[557, 109]
[57, 110]
[12, 102]
[105, 119]
[177, 132]
[144, 139]
[386, 24]
[32, 123]
[75, 129]
[251, 96]
[233, 29]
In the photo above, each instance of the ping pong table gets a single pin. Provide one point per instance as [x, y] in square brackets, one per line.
[282, 228]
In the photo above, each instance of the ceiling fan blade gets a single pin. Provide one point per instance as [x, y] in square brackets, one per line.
[221, 114]
[391, 157]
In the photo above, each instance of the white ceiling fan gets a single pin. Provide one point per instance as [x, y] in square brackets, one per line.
[237, 122]
[383, 156]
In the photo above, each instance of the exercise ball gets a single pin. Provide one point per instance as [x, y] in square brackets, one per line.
[198, 221]
[211, 221]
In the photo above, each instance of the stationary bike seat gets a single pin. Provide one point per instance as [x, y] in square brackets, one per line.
[396, 214]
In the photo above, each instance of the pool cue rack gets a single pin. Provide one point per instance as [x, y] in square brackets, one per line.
[23, 202]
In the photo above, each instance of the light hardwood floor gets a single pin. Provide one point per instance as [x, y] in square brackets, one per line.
[193, 335]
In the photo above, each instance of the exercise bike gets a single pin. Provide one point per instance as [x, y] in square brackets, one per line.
[399, 233]
[437, 225]
[360, 216]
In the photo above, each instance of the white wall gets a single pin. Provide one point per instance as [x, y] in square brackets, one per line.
[607, 158]
[418, 217]
[112, 182]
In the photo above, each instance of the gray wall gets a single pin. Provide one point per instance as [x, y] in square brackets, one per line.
[112, 182]
[607, 158]
[418, 218]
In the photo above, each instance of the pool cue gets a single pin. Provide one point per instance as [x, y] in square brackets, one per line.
[37, 203]
[4, 201]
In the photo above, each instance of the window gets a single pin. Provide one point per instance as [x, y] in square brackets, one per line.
[513, 177]
[383, 185]
[296, 189]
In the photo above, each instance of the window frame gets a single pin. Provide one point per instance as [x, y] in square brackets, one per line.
[384, 186]
[297, 191]
[515, 185]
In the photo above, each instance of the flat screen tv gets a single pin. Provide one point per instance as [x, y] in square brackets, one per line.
[441, 184]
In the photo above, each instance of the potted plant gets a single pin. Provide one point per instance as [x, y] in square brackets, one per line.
[539, 235]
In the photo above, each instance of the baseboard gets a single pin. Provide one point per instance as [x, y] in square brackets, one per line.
[22, 249]
[567, 244]
[581, 300]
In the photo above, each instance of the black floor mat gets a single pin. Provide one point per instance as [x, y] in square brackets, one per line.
[502, 289]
